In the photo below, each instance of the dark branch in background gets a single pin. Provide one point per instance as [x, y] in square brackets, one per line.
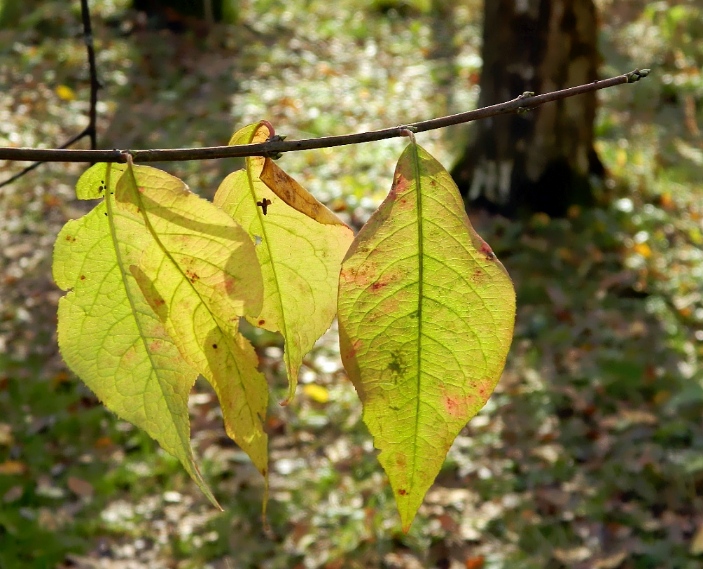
[276, 145]
[91, 129]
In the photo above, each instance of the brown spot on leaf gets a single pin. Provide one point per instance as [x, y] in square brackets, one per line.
[400, 184]
[351, 352]
[483, 389]
[362, 275]
[129, 355]
[478, 276]
[401, 461]
[454, 406]
[71, 238]
[82, 277]
[387, 278]
[262, 322]
[192, 276]
[403, 492]
[487, 251]
[230, 285]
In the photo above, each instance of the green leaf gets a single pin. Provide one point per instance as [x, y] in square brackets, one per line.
[109, 336]
[426, 315]
[200, 273]
[300, 249]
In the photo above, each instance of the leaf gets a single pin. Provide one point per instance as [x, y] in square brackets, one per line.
[300, 249]
[199, 273]
[109, 336]
[426, 315]
[318, 393]
[12, 468]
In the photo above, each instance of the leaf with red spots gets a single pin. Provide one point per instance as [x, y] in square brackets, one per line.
[108, 334]
[426, 315]
[300, 247]
[199, 273]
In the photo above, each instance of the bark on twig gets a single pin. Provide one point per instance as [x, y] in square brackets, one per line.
[521, 103]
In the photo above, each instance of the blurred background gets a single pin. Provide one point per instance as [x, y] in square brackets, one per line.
[590, 452]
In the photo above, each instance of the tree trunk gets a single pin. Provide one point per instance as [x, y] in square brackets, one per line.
[541, 160]
[182, 10]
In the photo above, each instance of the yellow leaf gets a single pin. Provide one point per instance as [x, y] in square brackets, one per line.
[65, 93]
[643, 249]
[108, 335]
[300, 246]
[621, 157]
[317, 393]
[10, 467]
[666, 201]
[199, 273]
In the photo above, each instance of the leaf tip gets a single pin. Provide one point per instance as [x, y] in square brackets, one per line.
[291, 393]
[406, 521]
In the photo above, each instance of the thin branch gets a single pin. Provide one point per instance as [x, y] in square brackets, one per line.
[524, 102]
[90, 130]
[31, 167]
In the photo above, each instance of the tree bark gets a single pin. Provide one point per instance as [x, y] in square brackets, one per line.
[541, 160]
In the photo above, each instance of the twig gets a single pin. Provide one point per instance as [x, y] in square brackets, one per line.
[277, 145]
[91, 129]
[31, 167]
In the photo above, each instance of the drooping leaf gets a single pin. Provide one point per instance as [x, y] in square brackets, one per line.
[108, 335]
[300, 246]
[199, 273]
[426, 315]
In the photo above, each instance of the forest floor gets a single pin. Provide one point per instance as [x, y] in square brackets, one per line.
[590, 452]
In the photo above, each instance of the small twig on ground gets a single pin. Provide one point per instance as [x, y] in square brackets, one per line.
[90, 130]
[279, 146]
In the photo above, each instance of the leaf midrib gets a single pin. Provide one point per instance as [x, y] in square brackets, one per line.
[185, 279]
[421, 271]
[284, 322]
[128, 292]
